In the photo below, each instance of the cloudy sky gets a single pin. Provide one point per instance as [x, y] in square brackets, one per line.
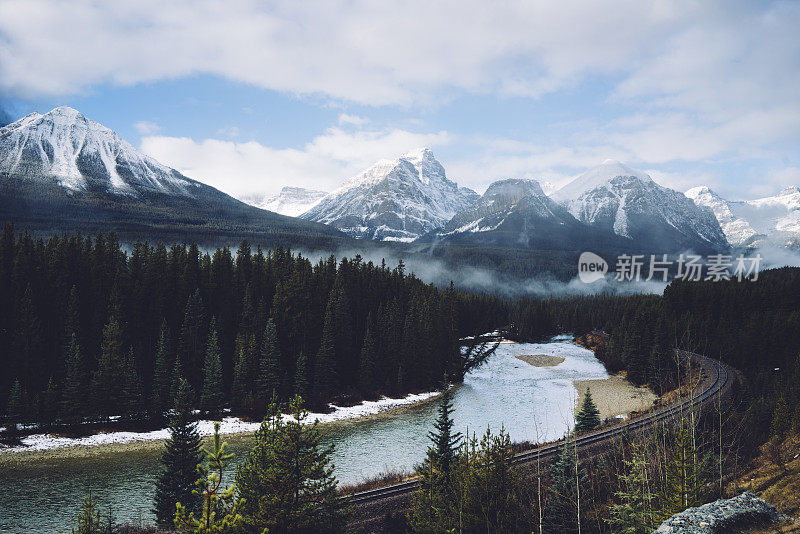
[248, 95]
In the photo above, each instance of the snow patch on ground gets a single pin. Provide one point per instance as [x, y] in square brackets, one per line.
[228, 425]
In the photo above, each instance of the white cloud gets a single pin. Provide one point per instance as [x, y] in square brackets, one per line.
[250, 169]
[685, 81]
[354, 120]
[375, 53]
[146, 127]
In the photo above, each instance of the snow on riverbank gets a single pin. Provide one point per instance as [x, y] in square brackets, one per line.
[228, 425]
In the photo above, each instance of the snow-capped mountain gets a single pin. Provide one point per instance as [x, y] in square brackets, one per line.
[63, 171]
[63, 147]
[614, 197]
[394, 200]
[737, 231]
[517, 213]
[292, 201]
[752, 223]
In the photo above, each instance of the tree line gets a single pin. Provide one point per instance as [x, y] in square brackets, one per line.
[90, 329]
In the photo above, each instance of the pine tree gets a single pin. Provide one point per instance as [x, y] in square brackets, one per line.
[133, 405]
[74, 402]
[588, 418]
[287, 482]
[269, 379]
[48, 405]
[301, 384]
[433, 503]
[241, 375]
[219, 507]
[563, 511]
[89, 518]
[366, 371]
[191, 342]
[108, 377]
[634, 511]
[179, 461]
[445, 441]
[17, 408]
[684, 474]
[212, 396]
[326, 379]
[162, 375]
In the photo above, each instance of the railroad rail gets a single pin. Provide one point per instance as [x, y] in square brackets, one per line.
[716, 382]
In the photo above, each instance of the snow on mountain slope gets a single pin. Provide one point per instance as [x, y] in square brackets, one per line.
[394, 200]
[752, 223]
[64, 147]
[501, 199]
[516, 213]
[737, 231]
[292, 201]
[628, 202]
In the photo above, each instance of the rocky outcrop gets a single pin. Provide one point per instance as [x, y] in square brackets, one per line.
[722, 516]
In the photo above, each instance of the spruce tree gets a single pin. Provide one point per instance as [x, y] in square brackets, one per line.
[17, 408]
[634, 510]
[133, 405]
[287, 482]
[367, 363]
[109, 376]
[684, 474]
[212, 397]
[326, 379]
[191, 341]
[162, 374]
[269, 366]
[48, 405]
[301, 384]
[588, 418]
[88, 518]
[179, 461]
[564, 509]
[74, 401]
[433, 503]
[242, 387]
[219, 507]
[445, 441]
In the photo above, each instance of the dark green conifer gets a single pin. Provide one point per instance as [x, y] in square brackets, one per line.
[179, 461]
[109, 376]
[367, 363]
[162, 374]
[564, 510]
[301, 384]
[212, 397]
[326, 379]
[445, 441]
[286, 483]
[588, 418]
[74, 396]
[17, 408]
[133, 405]
[269, 366]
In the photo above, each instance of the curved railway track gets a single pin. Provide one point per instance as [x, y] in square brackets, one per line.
[716, 382]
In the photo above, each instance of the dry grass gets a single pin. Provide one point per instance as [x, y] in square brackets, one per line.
[379, 481]
[774, 475]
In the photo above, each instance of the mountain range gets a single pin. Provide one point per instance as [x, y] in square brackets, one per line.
[394, 200]
[62, 171]
[771, 220]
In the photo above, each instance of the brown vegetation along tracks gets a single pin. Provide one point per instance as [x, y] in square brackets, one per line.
[372, 505]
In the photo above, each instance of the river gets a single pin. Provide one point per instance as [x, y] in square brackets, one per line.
[531, 403]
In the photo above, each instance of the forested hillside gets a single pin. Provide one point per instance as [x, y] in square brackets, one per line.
[90, 330]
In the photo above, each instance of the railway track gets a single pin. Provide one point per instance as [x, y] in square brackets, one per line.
[716, 382]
